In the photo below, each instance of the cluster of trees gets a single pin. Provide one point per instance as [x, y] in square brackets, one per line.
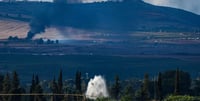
[37, 41]
[13, 38]
[175, 83]
[167, 86]
[41, 41]
[10, 85]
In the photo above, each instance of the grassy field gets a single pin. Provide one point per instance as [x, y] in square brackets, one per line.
[127, 67]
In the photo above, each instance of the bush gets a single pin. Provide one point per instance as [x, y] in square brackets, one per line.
[103, 99]
[182, 98]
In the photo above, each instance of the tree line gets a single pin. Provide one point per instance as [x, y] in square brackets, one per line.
[166, 85]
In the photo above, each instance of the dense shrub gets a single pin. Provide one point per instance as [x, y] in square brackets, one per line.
[182, 98]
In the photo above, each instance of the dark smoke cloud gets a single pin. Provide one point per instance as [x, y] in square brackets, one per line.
[45, 16]
[59, 14]
[37, 25]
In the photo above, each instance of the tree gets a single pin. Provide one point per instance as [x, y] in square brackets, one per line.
[196, 88]
[15, 81]
[177, 83]
[37, 80]
[60, 85]
[54, 86]
[54, 89]
[143, 93]
[128, 94]
[78, 82]
[159, 87]
[57, 41]
[38, 90]
[116, 88]
[145, 89]
[182, 98]
[168, 82]
[40, 41]
[6, 87]
[32, 88]
[15, 87]
[1, 85]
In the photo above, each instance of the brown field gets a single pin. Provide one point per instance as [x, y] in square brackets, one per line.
[9, 27]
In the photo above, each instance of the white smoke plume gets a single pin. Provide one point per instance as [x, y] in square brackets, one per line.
[188, 5]
[97, 88]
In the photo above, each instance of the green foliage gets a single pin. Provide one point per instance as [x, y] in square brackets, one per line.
[145, 89]
[116, 88]
[37, 80]
[60, 83]
[196, 88]
[127, 98]
[103, 99]
[40, 41]
[78, 82]
[1, 85]
[182, 98]
[54, 87]
[36, 88]
[177, 82]
[15, 87]
[1, 82]
[169, 79]
[31, 98]
[159, 87]
[128, 94]
[15, 82]
[6, 87]
[143, 93]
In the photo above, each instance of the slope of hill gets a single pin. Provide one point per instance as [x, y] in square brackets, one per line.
[130, 15]
[10, 27]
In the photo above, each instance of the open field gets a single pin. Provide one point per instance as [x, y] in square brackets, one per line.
[47, 66]
[10, 27]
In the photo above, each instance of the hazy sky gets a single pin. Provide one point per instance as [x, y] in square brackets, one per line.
[189, 5]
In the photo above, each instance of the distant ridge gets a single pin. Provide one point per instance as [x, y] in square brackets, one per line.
[130, 15]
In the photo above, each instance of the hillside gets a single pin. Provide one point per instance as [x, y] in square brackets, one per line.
[109, 16]
[10, 27]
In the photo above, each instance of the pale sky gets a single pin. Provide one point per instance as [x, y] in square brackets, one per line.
[189, 5]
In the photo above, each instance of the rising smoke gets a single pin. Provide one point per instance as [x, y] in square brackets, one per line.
[52, 14]
[37, 26]
[97, 88]
[58, 14]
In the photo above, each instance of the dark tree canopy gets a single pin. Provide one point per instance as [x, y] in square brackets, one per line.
[78, 82]
[116, 88]
[168, 82]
